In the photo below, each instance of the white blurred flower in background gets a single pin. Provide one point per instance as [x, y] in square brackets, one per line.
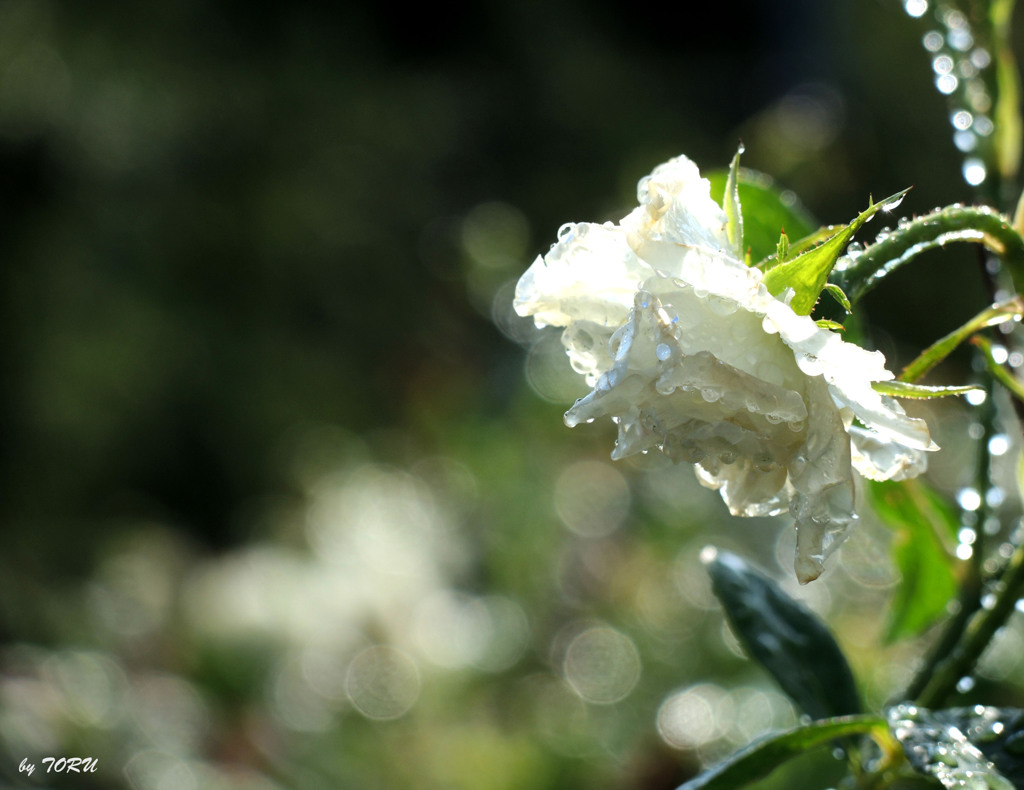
[688, 352]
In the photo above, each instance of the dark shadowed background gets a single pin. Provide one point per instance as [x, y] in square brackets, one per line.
[283, 502]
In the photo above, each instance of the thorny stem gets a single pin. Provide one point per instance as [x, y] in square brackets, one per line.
[977, 635]
[969, 600]
[970, 631]
[954, 223]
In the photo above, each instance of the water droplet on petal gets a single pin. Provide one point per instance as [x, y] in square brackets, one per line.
[643, 189]
[693, 454]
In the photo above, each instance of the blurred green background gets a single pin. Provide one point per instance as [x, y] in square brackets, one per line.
[287, 501]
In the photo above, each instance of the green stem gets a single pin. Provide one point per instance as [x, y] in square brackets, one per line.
[954, 223]
[951, 635]
[976, 637]
[969, 599]
[983, 482]
[1007, 92]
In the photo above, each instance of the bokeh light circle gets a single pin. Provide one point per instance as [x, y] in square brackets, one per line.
[686, 719]
[592, 498]
[382, 683]
[602, 665]
[549, 373]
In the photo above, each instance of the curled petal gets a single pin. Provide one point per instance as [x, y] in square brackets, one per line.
[590, 274]
[822, 478]
[688, 352]
[586, 283]
[676, 209]
[879, 458]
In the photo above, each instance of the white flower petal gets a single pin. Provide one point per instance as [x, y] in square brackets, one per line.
[590, 274]
[689, 353]
[879, 458]
[822, 478]
[749, 490]
[883, 415]
[676, 209]
[586, 283]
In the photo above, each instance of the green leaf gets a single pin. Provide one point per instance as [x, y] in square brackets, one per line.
[839, 295]
[1011, 309]
[924, 525]
[835, 326]
[1001, 374]
[766, 210]
[782, 248]
[806, 273]
[762, 757]
[974, 747]
[911, 239]
[785, 637]
[731, 205]
[902, 389]
[813, 239]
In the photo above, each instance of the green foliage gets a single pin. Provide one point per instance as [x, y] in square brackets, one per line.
[999, 373]
[1009, 131]
[901, 389]
[785, 637]
[1012, 308]
[923, 523]
[766, 210]
[237, 260]
[999, 733]
[782, 248]
[731, 205]
[762, 757]
[803, 244]
[975, 224]
[807, 273]
[839, 295]
[974, 747]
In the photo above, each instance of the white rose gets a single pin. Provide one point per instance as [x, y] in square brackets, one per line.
[688, 352]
